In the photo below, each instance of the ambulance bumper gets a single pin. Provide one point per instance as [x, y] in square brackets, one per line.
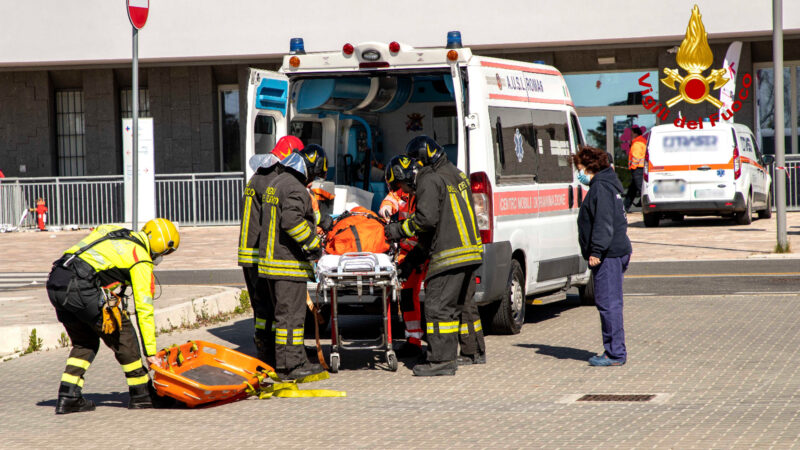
[695, 207]
[493, 273]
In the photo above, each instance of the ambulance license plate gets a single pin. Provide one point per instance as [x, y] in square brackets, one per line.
[669, 188]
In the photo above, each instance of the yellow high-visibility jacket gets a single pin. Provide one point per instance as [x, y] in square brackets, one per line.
[121, 260]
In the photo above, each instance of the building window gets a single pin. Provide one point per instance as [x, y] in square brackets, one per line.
[609, 88]
[126, 103]
[229, 141]
[765, 107]
[70, 133]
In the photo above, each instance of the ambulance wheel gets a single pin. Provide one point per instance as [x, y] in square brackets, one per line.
[391, 360]
[510, 314]
[766, 213]
[334, 363]
[678, 217]
[586, 292]
[746, 217]
[651, 220]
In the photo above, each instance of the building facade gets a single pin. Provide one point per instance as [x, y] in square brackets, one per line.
[65, 77]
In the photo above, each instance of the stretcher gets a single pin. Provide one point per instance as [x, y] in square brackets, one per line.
[359, 271]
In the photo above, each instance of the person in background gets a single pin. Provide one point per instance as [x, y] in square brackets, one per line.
[603, 238]
[636, 165]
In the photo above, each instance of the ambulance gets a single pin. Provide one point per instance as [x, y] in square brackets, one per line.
[716, 170]
[511, 126]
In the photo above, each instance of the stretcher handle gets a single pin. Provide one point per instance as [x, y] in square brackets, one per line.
[356, 258]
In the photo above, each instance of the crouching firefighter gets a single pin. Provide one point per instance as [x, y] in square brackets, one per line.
[266, 168]
[286, 255]
[400, 175]
[109, 255]
[444, 222]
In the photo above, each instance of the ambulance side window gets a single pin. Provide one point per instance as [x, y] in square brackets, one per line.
[308, 132]
[264, 134]
[577, 136]
[514, 142]
[553, 144]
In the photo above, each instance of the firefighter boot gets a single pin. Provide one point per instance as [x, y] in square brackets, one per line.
[66, 405]
[433, 369]
[301, 371]
[467, 360]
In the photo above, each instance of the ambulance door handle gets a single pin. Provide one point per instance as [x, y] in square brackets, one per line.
[571, 196]
[704, 168]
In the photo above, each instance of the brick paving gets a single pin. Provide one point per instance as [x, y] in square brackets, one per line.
[729, 367]
[215, 247]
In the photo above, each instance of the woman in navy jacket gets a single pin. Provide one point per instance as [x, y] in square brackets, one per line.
[602, 234]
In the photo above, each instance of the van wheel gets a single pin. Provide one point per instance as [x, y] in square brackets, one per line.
[766, 213]
[746, 217]
[678, 217]
[510, 314]
[651, 220]
[586, 292]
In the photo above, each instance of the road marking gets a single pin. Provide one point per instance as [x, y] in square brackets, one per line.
[639, 295]
[713, 275]
[24, 274]
[767, 292]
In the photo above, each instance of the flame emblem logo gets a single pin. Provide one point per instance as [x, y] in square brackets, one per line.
[694, 56]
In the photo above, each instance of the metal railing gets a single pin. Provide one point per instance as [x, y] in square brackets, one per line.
[792, 183]
[191, 199]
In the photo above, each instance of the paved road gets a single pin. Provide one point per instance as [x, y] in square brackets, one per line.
[726, 368]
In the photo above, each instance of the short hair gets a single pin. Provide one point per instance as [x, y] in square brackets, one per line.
[593, 159]
[637, 131]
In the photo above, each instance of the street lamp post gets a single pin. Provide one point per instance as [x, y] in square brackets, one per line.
[780, 142]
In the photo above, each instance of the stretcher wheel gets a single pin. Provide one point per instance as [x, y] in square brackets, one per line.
[391, 360]
[334, 362]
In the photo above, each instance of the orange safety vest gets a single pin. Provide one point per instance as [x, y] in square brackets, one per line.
[637, 152]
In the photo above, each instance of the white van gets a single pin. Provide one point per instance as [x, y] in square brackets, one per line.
[509, 125]
[717, 170]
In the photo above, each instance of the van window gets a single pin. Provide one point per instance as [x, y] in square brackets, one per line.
[552, 143]
[746, 145]
[264, 134]
[514, 139]
[577, 136]
[445, 125]
[308, 132]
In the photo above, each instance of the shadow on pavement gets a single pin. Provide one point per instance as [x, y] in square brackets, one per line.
[688, 222]
[240, 334]
[114, 399]
[540, 313]
[559, 352]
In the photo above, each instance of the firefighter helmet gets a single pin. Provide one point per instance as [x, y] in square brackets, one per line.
[316, 162]
[286, 145]
[401, 169]
[163, 236]
[425, 150]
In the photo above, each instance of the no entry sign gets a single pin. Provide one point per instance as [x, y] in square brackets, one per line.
[137, 12]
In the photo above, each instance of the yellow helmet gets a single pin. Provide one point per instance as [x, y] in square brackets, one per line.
[163, 235]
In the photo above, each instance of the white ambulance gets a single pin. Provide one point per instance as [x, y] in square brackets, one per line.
[716, 170]
[509, 125]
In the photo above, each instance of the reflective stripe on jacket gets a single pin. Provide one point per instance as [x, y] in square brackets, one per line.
[289, 226]
[250, 230]
[637, 153]
[121, 260]
[444, 219]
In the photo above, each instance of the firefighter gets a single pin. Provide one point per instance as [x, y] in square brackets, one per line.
[444, 222]
[636, 157]
[286, 145]
[108, 256]
[286, 256]
[266, 168]
[400, 174]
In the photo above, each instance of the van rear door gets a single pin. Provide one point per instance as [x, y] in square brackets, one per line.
[267, 101]
[691, 165]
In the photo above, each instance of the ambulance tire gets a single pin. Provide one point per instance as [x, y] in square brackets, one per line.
[766, 213]
[746, 217]
[510, 313]
[586, 292]
[651, 220]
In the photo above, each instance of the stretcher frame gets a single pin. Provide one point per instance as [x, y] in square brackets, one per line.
[342, 278]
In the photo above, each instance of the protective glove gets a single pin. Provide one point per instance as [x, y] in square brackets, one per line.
[313, 255]
[404, 270]
[385, 211]
[394, 232]
[326, 223]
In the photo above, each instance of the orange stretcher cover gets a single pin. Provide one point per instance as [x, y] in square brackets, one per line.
[200, 372]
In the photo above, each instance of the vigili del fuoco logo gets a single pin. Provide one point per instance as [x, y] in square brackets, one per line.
[694, 57]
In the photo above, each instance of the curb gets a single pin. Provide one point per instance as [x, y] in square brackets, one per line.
[14, 339]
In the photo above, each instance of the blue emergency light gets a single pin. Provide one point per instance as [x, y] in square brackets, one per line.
[453, 39]
[297, 47]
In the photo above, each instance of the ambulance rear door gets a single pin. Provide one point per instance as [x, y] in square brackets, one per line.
[267, 102]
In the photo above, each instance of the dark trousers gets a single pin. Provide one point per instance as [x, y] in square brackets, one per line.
[263, 314]
[470, 334]
[608, 277]
[445, 295]
[290, 317]
[76, 301]
[635, 188]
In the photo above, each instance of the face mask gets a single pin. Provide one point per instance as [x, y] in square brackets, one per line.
[583, 178]
[157, 260]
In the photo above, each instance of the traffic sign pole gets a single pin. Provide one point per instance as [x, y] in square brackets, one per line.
[780, 139]
[135, 146]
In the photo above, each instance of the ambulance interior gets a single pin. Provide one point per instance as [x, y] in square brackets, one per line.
[363, 121]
